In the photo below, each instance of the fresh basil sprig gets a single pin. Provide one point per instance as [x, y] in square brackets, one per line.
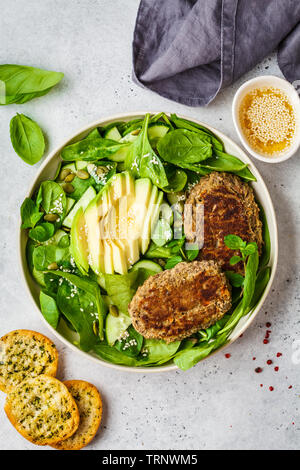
[27, 139]
[20, 83]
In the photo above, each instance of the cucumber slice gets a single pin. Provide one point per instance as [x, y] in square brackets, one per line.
[157, 130]
[113, 134]
[115, 327]
[81, 165]
[166, 213]
[70, 204]
[120, 155]
[83, 202]
[162, 233]
[131, 137]
[70, 166]
[147, 264]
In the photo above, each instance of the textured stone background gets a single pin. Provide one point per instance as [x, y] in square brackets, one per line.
[219, 404]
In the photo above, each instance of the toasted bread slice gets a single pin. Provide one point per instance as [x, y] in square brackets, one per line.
[89, 405]
[25, 354]
[42, 410]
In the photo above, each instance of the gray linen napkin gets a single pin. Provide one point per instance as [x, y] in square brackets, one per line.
[187, 50]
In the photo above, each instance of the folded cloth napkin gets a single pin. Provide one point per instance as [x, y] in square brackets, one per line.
[187, 50]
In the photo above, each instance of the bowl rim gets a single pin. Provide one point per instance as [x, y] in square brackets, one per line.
[288, 88]
[127, 116]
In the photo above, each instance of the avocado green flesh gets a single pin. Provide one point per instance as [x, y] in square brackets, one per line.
[115, 224]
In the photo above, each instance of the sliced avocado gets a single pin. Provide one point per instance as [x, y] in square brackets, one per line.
[146, 232]
[151, 220]
[79, 244]
[119, 256]
[138, 210]
[108, 257]
[83, 202]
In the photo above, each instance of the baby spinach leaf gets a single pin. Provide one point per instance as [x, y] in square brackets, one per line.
[177, 179]
[92, 289]
[193, 126]
[30, 213]
[44, 255]
[131, 344]
[49, 309]
[23, 83]
[110, 354]
[250, 278]
[78, 307]
[92, 149]
[142, 161]
[266, 250]
[155, 251]
[158, 351]
[52, 198]
[27, 138]
[183, 146]
[121, 288]
[42, 232]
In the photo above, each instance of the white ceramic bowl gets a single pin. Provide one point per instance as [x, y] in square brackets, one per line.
[48, 169]
[286, 87]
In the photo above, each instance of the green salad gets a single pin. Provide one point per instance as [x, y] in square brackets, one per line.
[109, 220]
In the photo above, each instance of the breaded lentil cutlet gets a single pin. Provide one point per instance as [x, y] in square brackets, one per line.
[180, 301]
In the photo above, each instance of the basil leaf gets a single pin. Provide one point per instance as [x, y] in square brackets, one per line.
[192, 254]
[27, 139]
[30, 213]
[22, 83]
[49, 309]
[234, 242]
[234, 260]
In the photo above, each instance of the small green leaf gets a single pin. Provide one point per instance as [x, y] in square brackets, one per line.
[30, 213]
[234, 260]
[172, 262]
[42, 232]
[49, 309]
[235, 279]
[234, 242]
[27, 139]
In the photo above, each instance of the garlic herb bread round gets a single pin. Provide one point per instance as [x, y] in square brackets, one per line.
[25, 354]
[89, 405]
[42, 410]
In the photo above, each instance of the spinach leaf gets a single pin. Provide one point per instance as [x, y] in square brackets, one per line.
[177, 179]
[92, 290]
[121, 288]
[155, 251]
[250, 278]
[23, 83]
[27, 138]
[183, 146]
[190, 357]
[30, 214]
[131, 342]
[193, 126]
[49, 309]
[78, 307]
[44, 255]
[143, 162]
[111, 354]
[266, 250]
[158, 351]
[92, 149]
[42, 232]
[52, 198]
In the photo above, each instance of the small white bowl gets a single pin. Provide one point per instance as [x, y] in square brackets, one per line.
[262, 82]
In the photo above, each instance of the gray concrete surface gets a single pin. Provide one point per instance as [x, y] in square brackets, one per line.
[219, 404]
